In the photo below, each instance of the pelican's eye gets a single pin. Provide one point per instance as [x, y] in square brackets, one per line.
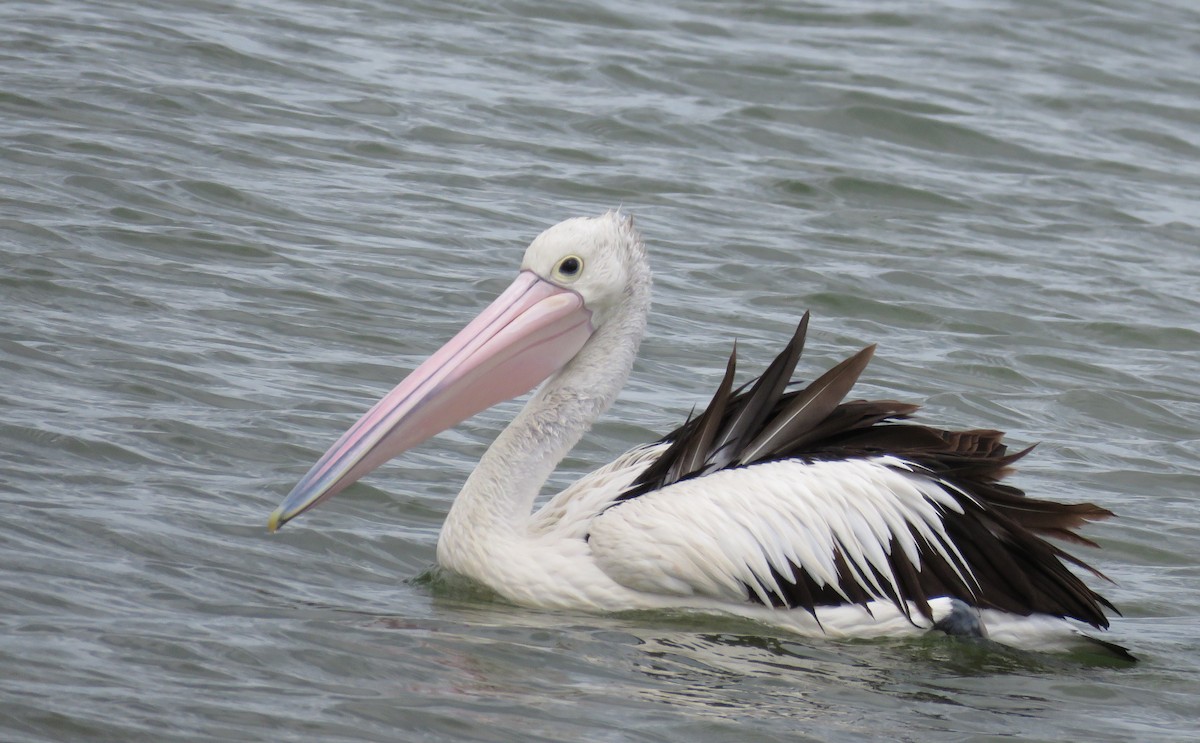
[569, 268]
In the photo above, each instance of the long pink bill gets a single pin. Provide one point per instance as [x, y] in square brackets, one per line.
[531, 331]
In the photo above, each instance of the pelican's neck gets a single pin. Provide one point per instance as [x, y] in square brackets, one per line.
[494, 505]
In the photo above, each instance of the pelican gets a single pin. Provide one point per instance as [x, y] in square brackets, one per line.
[790, 507]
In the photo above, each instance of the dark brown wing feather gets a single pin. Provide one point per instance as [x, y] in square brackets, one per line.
[999, 532]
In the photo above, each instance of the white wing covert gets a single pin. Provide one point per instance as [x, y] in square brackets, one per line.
[784, 533]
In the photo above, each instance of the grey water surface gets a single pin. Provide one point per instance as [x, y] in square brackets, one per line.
[227, 228]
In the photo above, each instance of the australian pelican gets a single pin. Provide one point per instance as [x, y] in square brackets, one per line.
[790, 507]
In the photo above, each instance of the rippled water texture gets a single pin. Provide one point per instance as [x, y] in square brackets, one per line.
[227, 228]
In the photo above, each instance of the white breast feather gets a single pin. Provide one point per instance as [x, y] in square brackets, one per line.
[569, 513]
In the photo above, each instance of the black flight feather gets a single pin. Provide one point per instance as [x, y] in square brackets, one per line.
[748, 419]
[810, 407]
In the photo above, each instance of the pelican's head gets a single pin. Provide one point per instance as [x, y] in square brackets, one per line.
[573, 276]
[602, 259]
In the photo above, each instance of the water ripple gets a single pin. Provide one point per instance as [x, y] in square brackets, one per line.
[228, 230]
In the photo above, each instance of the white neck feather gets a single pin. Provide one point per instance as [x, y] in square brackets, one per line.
[495, 504]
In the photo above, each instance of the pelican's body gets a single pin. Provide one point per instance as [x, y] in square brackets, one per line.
[790, 508]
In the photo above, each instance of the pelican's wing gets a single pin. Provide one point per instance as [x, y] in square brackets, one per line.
[799, 499]
[803, 535]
